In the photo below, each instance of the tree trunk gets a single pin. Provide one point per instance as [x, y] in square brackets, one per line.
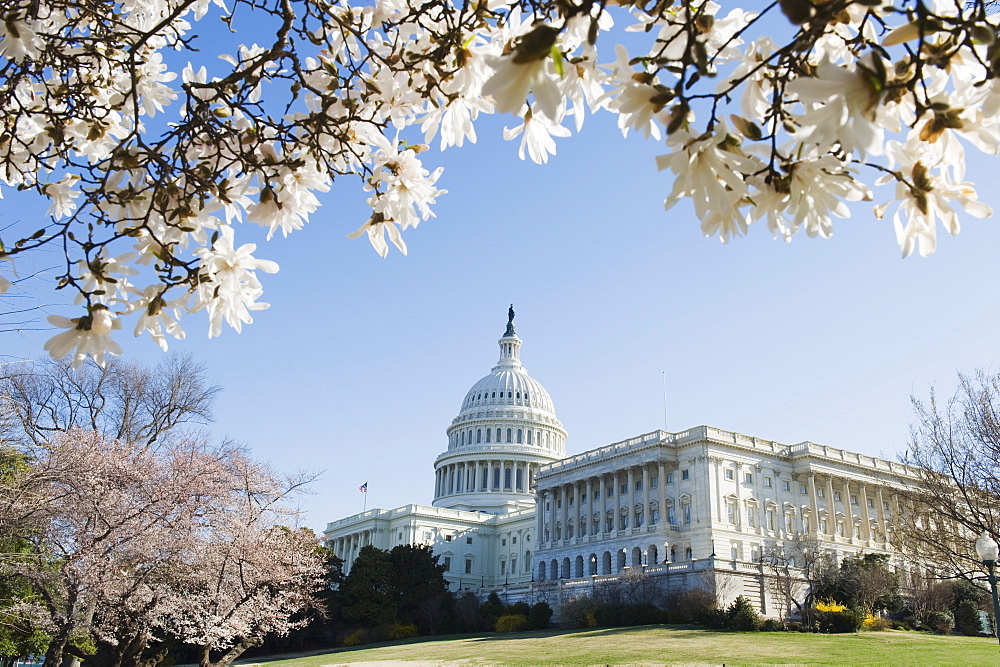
[238, 650]
[205, 660]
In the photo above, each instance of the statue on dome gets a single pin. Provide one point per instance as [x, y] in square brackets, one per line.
[510, 321]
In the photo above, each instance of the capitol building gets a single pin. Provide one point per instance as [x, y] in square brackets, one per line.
[512, 513]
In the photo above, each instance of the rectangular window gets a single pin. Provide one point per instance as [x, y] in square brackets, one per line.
[687, 514]
[729, 473]
[503, 567]
[559, 504]
[468, 540]
[840, 529]
[611, 491]
[624, 488]
[836, 496]
[854, 499]
[638, 485]
[748, 477]
[654, 482]
[583, 497]
[597, 494]
[427, 536]
[871, 503]
[624, 522]
[468, 566]
[730, 513]
[822, 525]
[885, 506]
[670, 478]
[769, 518]
[857, 531]
[802, 489]
[503, 542]
[447, 538]
[786, 485]
[671, 516]
[513, 540]
[447, 563]
[767, 482]
[638, 520]
[684, 474]
[400, 536]
[751, 518]
[571, 501]
[821, 493]
[788, 523]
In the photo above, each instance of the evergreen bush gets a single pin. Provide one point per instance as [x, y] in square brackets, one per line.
[511, 623]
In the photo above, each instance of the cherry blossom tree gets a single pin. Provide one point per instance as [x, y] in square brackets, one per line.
[784, 112]
[132, 546]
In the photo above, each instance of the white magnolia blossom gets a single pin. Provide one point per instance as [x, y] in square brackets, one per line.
[151, 170]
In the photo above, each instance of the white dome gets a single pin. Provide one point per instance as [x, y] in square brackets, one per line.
[505, 387]
[506, 428]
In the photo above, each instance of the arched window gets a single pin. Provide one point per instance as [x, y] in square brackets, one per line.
[506, 478]
[499, 436]
[517, 395]
[486, 478]
[509, 435]
[527, 561]
[496, 478]
[520, 436]
[518, 477]
[494, 394]
[489, 434]
[509, 395]
[479, 435]
[463, 437]
[529, 437]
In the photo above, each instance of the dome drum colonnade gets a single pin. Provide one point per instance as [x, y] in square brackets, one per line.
[506, 429]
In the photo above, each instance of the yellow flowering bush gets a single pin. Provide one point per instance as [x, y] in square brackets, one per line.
[829, 605]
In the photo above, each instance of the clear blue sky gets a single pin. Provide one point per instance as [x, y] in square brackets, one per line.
[361, 363]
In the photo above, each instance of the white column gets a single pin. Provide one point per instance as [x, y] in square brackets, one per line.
[661, 495]
[831, 503]
[814, 504]
[866, 531]
[882, 524]
[645, 494]
[590, 506]
[564, 514]
[848, 511]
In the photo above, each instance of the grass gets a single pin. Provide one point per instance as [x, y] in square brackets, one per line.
[671, 645]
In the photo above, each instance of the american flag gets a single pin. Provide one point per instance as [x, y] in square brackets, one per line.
[363, 488]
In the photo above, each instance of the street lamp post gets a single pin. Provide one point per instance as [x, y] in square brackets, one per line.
[988, 553]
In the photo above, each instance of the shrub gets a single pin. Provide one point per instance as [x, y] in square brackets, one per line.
[741, 615]
[875, 623]
[829, 605]
[522, 608]
[640, 614]
[772, 625]
[674, 617]
[834, 622]
[511, 623]
[941, 622]
[967, 620]
[796, 626]
[539, 616]
[714, 618]
[353, 639]
[577, 612]
[401, 631]
[693, 606]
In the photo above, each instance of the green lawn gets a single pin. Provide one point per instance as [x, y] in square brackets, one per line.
[660, 644]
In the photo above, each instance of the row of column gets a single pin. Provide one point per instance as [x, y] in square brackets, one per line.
[468, 477]
[864, 513]
[348, 546]
[830, 485]
[554, 502]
